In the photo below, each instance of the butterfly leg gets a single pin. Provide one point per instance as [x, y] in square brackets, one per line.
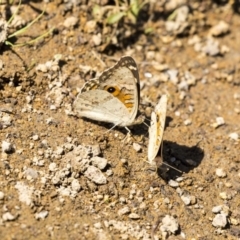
[111, 128]
[128, 135]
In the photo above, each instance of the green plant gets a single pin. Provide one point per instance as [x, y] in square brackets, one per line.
[122, 9]
[22, 30]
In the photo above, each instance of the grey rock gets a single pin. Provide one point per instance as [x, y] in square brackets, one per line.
[217, 209]
[95, 175]
[123, 211]
[99, 162]
[169, 224]
[220, 220]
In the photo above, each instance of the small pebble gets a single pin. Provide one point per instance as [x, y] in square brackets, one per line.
[220, 220]
[148, 75]
[7, 147]
[59, 151]
[234, 221]
[123, 211]
[186, 199]
[134, 216]
[228, 184]
[99, 162]
[1, 195]
[70, 22]
[219, 29]
[109, 172]
[35, 137]
[95, 150]
[169, 224]
[234, 136]
[52, 167]
[221, 173]
[217, 209]
[137, 147]
[173, 183]
[41, 215]
[187, 122]
[8, 217]
[219, 122]
[97, 225]
[223, 195]
[122, 200]
[97, 39]
[31, 173]
[75, 185]
[95, 175]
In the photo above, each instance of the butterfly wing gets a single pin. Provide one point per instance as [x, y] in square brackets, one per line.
[156, 128]
[100, 105]
[119, 89]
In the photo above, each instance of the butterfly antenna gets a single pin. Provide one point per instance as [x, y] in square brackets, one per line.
[172, 167]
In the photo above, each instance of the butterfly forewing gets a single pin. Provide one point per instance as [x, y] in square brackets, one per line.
[156, 128]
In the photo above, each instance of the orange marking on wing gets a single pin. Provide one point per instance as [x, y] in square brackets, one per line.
[129, 105]
[122, 96]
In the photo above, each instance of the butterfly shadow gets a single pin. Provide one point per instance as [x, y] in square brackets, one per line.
[135, 130]
[179, 159]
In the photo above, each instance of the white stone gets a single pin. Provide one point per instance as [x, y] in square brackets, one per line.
[32, 173]
[70, 22]
[217, 209]
[25, 192]
[1, 195]
[7, 147]
[76, 185]
[97, 39]
[8, 217]
[123, 211]
[219, 29]
[137, 147]
[173, 183]
[59, 151]
[186, 199]
[221, 173]
[169, 224]
[52, 167]
[224, 195]
[99, 162]
[134, 216]
[188, 122]
[234, 136]
[6, 121]
[95, 175]
[41, 215]
[219, 122]
[97, 225]
[220, 220]
[35, 137]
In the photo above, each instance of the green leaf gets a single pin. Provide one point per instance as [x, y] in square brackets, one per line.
[149, 30]
[115, 17]
[135, 7]
[96, 11]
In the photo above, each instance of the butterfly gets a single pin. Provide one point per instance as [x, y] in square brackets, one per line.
[156, 129]
[113, 97]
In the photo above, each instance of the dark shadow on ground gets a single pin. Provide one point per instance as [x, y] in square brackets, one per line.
[180, 157]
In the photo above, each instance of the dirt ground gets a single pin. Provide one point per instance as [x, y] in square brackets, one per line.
[188, 50]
